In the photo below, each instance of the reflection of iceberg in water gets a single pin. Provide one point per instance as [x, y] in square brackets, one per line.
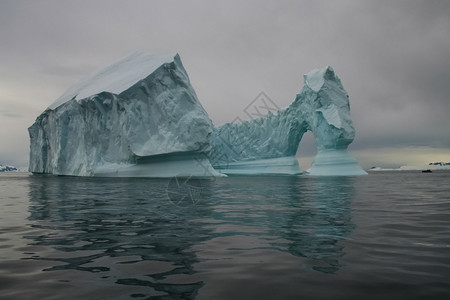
[127, 234]
[320, 220]
[122, 232]
[309, 217]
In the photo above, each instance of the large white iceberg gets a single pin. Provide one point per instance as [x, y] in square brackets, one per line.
[137, 117]
[140, 117]
[268, 145]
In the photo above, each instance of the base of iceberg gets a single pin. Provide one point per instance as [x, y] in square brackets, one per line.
[335, 163]
[272, 166]
[163, 166]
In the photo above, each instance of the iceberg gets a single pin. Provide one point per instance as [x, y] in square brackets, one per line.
[267, 145]
[139, 117]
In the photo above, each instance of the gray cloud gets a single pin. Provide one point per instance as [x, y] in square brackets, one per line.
[8, 114]
[393, 57]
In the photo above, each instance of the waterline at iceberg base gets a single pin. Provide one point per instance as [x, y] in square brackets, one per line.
[140, 117]
[287, 165]
[335, 163]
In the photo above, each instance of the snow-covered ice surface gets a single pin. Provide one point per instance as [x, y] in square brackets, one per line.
[322, 107]
[114, 122]
[115, 78]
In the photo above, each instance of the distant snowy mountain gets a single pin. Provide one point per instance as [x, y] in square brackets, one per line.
[7, 168]
[430, 166]
[440, 163]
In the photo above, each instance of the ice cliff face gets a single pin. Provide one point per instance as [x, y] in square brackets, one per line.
[138, 117]
[322, 107]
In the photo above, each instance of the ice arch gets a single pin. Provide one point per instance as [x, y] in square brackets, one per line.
[267, 145]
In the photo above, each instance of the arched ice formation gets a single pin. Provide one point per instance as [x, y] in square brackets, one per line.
[268, 145]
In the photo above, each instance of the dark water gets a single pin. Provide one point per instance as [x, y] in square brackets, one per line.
[382, 236]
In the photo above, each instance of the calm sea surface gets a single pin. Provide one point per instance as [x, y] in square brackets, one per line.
[382, 236]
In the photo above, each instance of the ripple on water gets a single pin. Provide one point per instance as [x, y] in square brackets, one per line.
[382, 235]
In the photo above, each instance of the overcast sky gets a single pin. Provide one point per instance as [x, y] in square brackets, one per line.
[393, 58]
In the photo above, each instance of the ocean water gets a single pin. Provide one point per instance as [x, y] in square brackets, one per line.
[382, 236]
